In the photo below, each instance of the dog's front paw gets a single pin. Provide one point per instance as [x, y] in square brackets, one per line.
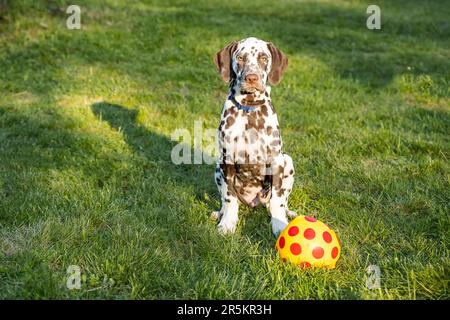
[227, 226]
[278, 225]
[215, 215]
[291, 214]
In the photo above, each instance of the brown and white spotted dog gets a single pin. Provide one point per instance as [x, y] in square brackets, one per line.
[252, 169]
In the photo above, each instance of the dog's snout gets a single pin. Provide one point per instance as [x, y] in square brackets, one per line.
[251, 78]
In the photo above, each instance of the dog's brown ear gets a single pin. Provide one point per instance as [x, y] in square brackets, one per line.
[222, 59]
[279, 64]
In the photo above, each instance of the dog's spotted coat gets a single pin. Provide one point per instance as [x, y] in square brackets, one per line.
[252, 169]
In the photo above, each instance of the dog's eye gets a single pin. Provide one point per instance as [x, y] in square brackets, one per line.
[240, 58]
[263, 58]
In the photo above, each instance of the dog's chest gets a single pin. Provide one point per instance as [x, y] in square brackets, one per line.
[248, 140]
[248, 137]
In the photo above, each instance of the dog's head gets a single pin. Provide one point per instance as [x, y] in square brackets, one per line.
[251, 63]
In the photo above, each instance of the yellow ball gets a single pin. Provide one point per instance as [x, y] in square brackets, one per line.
[308, 242]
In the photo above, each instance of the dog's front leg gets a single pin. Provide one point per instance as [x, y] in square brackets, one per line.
[229, 212]
[278, 199]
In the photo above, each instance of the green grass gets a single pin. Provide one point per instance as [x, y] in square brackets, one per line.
[86, 118]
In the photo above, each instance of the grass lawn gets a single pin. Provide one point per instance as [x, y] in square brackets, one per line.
[86, 118]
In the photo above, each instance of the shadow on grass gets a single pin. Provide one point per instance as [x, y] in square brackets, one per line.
[157, 148]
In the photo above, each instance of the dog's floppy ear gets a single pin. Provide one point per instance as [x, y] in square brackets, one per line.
[222, 59]
[279, 64]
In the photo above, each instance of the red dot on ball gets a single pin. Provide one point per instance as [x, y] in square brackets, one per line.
[296, 249]
[327, 237]
[281, 242]
[293, 231]
[334, 252]
[310, 219]
[318, 252]
[309, 234]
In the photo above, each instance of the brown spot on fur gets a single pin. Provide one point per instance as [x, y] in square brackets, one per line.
[261, 123]
[233, 111]
[252, 120]
[264, 110]
[230, 122]
[268, 150]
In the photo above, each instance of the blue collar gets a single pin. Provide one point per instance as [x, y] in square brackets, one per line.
[241, 106]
